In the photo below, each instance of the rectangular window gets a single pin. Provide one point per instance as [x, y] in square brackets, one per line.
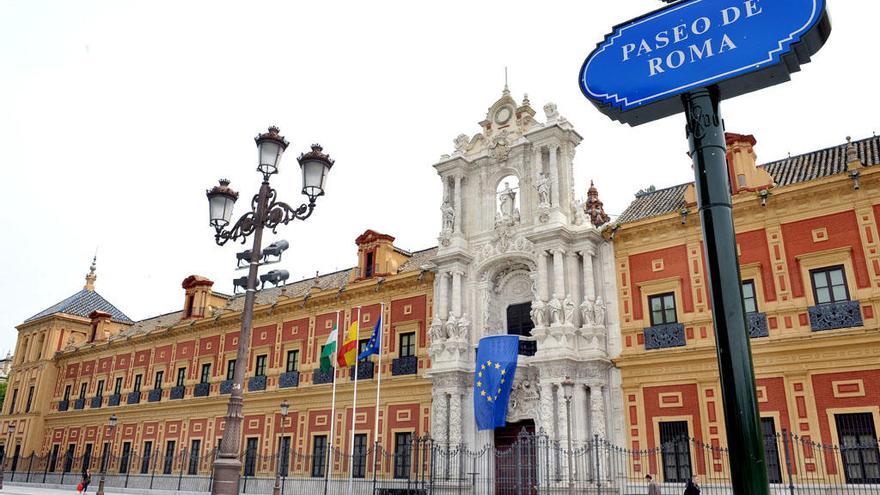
[53, 458]
[292, 361]
[676, 452]
[319, 456]
[99, 391]
[250, 457]
[408, 344]
[285, 456]
[117, 387]
[662, 309]
[368, 265]
[359, 462]
[124, 458]
[771, 450]
[145, 458]
[181, 376]
[230, 369]
[68, 457]
[12, 402]
[160, 376]
[362, 345]
[105, 451]
[206, 373]
[402, 454]
[260, 368]
[67, 392]
[168, 465]
[194, 454]
[87, 457]
[137, 382]
[82, 389]
[858, 447]
[30, 398]
[829, 285]
[750, 300]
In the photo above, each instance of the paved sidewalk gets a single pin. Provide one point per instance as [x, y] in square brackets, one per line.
[33, 490]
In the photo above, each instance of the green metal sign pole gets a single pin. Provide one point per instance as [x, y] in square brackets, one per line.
[705, 132]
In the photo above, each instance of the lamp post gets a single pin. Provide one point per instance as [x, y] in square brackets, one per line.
[266, 212]
[285, 407]
[567, 393]
[10, 429]
[104, 462]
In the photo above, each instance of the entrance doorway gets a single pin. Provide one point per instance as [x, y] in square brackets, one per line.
[516, 459]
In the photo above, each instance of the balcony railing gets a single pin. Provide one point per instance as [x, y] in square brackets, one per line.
[256, 383]
[201, 390]
[320, 377]
[177, 393]
[289, 379]
[134, 397]
[364, 371]
[79, 404]
[113, 400]
[757, 323]
[96, 402]
[663, 336]
[846, 314]
[408, 365]
[63, 405]
[226, 387]
[154, 395]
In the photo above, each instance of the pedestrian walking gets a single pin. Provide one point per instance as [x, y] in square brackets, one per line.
[86, 479]
[653, 487]
[693, 486]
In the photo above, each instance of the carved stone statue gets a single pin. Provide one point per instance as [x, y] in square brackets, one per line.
[451, 327]
[555, 309]
[539, 313]
[464, 325]
[448, 216]
[599, 311]
[551, 113]
[568, 309]
[436, 330]
[587, 317]
[542, 184]
[461, 143]
[508, 201]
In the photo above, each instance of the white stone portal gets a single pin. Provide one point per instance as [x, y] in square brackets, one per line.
[513, 237]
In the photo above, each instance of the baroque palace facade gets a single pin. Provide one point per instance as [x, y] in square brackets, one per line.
[807, 236]
[167, 378]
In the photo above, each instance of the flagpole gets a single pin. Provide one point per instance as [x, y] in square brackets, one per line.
[357, 337]
[378, 391]
[332, 409]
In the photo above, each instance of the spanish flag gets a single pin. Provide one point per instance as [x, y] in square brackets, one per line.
[348, 353]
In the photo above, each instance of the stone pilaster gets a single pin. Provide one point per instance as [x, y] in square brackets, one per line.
[457, 193]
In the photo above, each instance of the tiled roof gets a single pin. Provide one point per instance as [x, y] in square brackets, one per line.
[82, 304]
[785, 172]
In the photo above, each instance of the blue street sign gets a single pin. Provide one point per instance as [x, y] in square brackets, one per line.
[639, 71]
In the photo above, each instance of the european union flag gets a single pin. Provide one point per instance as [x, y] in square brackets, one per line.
[375, 343]
[493, 379]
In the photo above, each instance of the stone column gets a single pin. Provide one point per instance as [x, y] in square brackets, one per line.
[455, 416]
[457, 192]
[444, 295]
[558, 274]
[597, 421]
[456, 293]
[439, 416]
[554, 175]
[543, 292]
[589, 281]
[574, 286]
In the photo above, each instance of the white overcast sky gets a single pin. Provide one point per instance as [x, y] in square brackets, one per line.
[116, 116]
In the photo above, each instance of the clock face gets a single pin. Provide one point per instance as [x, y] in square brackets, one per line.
[502, 115]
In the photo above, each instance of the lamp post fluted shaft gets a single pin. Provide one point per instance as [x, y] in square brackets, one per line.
[105, 462]
[5, 455]
[570, 451]
[227, 466]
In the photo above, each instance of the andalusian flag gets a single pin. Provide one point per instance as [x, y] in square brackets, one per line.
[348, 353]
[328, 351]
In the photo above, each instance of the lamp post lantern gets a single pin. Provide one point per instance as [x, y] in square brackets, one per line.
[568, 393]
[10, 429]
[112, 425]
[285, 407]
[267, 211]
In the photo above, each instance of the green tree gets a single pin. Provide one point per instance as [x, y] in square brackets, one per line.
[2, 393]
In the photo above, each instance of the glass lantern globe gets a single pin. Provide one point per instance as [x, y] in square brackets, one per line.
[221, 199]
[270, 147]
[285, 407]
[315, 167]
[567, 388]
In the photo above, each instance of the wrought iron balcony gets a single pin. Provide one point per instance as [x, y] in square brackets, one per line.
[113, 400]
[663, 336]
[846, 314]
[177, 393]
[96, 402]
[201, 390]
[79, 404]
[757, 323]
[154, 395]
[289, 379]
[320, 377]
[364, 371]
[63, 405]
[256, 383]
[134, 397]
[408, 365]
[226, 387]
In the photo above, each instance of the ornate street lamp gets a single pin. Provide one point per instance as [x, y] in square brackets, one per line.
[568, 393]
[10, 429]
[266, 212]
[112, 425]
[276, 490]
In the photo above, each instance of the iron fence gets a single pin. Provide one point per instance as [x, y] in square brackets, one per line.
[533, 464]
